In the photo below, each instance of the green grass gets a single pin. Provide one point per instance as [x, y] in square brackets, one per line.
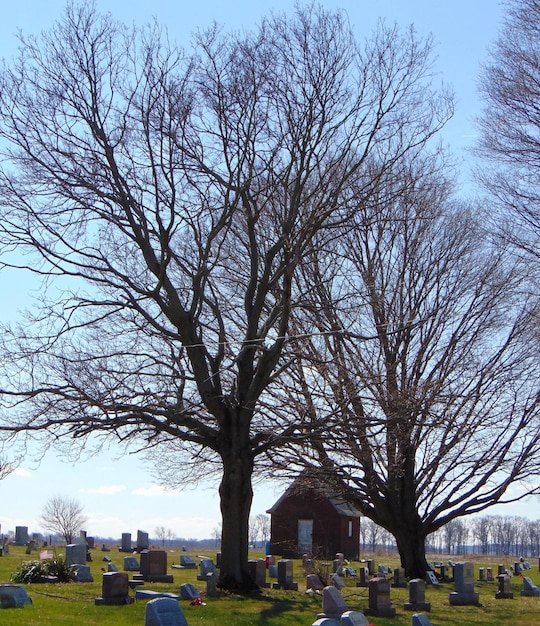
[73, 603]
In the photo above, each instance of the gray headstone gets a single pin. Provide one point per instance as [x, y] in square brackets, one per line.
[211, 585]
[81, 573]
[21, 535]
[464, 593]
[314, 582]
[75, 553]
[126, 542]
[326, 621]
[188, 592]
[206, 566]
[420, 620]
[186, 560]
[529, 588]
[164, 612]
[142, 540]
[332, 602]
[131, 564]
[13, 596]
[354, 618]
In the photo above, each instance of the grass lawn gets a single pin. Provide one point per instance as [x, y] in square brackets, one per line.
[73, 603]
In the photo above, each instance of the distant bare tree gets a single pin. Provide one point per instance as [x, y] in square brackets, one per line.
[63, 516]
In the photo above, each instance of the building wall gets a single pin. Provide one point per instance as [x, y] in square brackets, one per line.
[330, 529]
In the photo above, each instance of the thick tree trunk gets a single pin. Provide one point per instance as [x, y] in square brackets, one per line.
[411, 544]
[236, 495]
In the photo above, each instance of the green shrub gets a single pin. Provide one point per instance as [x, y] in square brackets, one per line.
[34, 571]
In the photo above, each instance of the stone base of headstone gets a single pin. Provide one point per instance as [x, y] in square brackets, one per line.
[286, 586]
[158, 578]
[115, 601]
[388, 611]
[464, 599]
[417, 606]
[504, 595]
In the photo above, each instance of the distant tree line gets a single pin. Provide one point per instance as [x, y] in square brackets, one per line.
[497, 535]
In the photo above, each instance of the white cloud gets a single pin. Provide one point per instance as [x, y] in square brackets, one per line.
[155, 490]
[23, 473]
[105, 490]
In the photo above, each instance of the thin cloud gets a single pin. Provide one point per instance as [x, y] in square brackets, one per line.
[155, 490]
[105, 490]
[23, 473]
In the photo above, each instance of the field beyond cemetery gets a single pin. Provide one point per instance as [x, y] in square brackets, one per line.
[73, 603]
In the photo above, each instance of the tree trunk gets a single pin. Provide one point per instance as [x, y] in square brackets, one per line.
[411, 544]
[236, 495]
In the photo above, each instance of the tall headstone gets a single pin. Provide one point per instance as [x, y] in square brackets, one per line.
[464, 593]
[257, 570]
[285, 576]
[399, 578]
[417, 596]
[363, 577]
[379, 598]
[21, 535]
[126, 543]
[142, 541]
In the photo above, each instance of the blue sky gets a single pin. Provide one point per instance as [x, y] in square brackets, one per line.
[118, 493]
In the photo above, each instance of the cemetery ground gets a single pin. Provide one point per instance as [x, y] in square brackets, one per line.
[67, 604]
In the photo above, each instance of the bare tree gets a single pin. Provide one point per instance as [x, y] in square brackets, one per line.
[422, 386]
[168, 199]
[63, 516]
[510, 126]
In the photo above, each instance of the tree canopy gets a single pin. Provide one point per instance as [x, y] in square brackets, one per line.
[168, 198]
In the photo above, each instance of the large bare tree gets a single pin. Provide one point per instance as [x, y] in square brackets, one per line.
[509, 125]
[422, 386]
[167, 199]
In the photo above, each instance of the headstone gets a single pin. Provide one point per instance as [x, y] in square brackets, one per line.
[371, 566]
[126, 543]
[153, 566]
[314, 582]
[383, 570]
[363, 577]
[432, 578]
[164, 612]
[504, 590]
[188, 592]
[529, 588]
[257, 571]
[82, 537]
[417, 596]
[81, 573]
[500, 569]
[379, 598]
[111, 567]
[211, 585]
[309, 566]
[353, 618]
[142, 541]
[21, 536]
[150, 594]
[75, 553]
[326, 621]
[481, 574]
[187, 561]
[285, 576]
[420, 620]
[399, 578]
[131, 564]
[13, 596]
[206, 566]
[32, 545]
[333, 604]
[272, 571]
[489, 574]
[464, 593]
[91, 542]
[444, 574]
[336, 581]
[115, 589]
